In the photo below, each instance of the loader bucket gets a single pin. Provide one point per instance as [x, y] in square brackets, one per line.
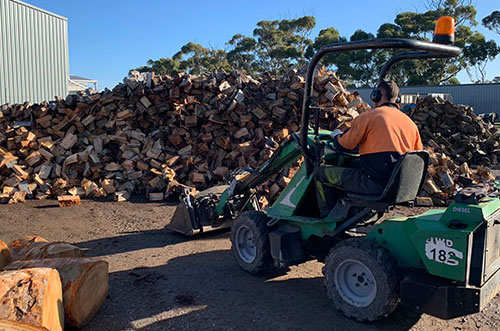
[190, 216]
[181, 221]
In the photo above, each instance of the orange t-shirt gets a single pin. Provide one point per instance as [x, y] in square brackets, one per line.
[383, 129]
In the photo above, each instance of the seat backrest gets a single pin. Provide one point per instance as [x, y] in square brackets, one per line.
[407, 178]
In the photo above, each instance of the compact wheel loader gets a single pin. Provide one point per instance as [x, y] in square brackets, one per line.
[444, 262]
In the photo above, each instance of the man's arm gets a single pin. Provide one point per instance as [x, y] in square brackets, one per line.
[350, 139]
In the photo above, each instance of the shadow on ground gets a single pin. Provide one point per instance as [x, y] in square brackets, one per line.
[137, 240]
[207, 291]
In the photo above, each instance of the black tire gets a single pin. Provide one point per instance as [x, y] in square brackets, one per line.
[256, 222]
[354, 255]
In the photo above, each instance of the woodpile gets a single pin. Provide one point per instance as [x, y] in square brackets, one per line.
[456, 131]
[461, 145]
[78, 291]
[154, 133]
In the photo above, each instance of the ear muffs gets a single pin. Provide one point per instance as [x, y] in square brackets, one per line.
[376, 95]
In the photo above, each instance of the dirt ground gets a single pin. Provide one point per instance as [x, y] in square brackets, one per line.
[163, 281]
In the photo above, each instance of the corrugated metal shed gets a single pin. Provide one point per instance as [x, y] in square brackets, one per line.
[484, 98]
[34, 64]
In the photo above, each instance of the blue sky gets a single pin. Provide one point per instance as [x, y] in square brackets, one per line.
[107, 38]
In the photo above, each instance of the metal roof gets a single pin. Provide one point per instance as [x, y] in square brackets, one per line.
[39, 9]
[81, 78]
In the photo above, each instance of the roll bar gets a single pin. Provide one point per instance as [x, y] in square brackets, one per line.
[423, 50]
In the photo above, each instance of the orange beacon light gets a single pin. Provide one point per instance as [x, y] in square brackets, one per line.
[445, 30]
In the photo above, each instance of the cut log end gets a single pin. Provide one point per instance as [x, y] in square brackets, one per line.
[90, 295]
[39, 291]
[84, 283]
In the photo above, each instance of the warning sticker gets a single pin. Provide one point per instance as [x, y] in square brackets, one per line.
[441, 250]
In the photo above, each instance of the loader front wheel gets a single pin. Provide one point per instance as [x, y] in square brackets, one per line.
[361, 279]
[250, 242]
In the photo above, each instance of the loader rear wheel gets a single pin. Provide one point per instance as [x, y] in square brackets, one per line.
[361, 279]
[250, 242]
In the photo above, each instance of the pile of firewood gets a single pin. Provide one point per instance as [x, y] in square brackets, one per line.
[47, 284]
[152, 134]
[462, 147]
[457, 132]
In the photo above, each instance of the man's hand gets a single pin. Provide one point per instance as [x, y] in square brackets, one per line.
[335, 133]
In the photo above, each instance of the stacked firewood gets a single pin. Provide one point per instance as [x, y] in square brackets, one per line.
[462, 147]
[457, 132]
[152, 134]
[45, 285]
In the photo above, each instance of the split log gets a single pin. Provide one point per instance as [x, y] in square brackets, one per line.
[6, 325]
[5, 256]
[84, 283]
[68, 200]
[22, 249]
[32, 296]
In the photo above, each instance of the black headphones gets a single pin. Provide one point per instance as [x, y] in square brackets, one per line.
[376, 94]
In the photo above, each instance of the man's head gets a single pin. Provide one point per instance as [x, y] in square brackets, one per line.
[389, 92]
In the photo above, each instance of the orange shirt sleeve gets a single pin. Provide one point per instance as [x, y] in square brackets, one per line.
[356, 134]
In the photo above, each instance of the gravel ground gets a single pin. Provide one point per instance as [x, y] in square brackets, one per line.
[163, 281]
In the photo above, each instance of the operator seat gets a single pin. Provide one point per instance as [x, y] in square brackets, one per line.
[405, 181]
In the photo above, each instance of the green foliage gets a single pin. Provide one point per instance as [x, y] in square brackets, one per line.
[477, 54]
[492, 21]
[279, 45]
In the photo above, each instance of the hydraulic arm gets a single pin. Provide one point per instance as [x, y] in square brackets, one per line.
[218, 206]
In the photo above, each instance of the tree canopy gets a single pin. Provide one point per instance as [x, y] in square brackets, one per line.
[492, 21]
[277, 46]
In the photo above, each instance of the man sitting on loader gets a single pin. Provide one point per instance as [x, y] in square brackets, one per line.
[382, 135]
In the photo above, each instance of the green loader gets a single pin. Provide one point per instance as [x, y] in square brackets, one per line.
[444, 262]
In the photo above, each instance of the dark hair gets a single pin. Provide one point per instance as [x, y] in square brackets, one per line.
[391, 90]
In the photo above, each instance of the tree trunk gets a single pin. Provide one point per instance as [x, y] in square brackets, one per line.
[5, 256]
[84, 281]
[32, 296]
[36, 248]
[19, 326]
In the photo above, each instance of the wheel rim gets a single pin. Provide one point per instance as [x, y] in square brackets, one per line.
[355, 283]
[245, 244]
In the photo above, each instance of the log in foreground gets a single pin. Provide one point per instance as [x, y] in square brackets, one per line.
[26, 240]
[5, 256]
[32, 296]
[35, 249]
[18, 326]
[84, 281]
